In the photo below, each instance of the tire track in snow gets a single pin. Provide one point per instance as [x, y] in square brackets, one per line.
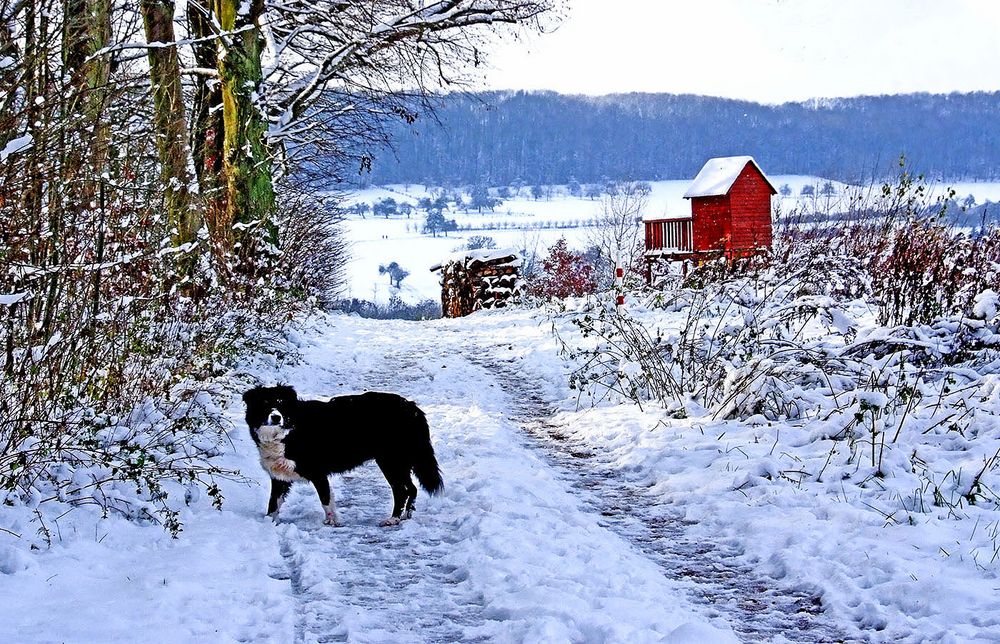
[757, 607]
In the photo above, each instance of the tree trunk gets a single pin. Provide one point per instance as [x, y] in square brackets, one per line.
[87, 29]
[207, 126]
[84, 131]
[170, 122]
[246, 162]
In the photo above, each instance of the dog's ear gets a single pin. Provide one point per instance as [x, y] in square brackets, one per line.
[287, 391]
[250, 394]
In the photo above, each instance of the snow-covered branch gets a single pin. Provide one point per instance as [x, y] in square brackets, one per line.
[375, 48]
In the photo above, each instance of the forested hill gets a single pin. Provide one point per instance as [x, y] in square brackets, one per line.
[503, 138]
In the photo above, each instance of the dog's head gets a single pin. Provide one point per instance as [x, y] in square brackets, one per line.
[269, 407]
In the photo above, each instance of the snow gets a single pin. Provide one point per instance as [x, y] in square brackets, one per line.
[508, 552]
[522, 546]
[513, 224]
[520, 558]
[15, 145]
[481, 256]
[105, 579]
[718, 175]
[986, 305]
[8, 299]
[514, 549]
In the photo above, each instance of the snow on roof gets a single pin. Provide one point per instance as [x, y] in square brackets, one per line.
[718, 175]
[482, 256]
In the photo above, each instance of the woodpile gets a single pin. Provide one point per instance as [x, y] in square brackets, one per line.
[479, 279]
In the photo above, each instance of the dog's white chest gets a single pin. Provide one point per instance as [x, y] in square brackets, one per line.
[272, 454]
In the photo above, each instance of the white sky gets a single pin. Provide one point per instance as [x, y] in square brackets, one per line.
[764, 50]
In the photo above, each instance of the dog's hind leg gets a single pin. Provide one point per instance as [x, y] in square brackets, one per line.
[322, 485]
[279, 489]
[398, 480]
[411, 496]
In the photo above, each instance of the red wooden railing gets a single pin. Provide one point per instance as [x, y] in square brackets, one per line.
[669, 234]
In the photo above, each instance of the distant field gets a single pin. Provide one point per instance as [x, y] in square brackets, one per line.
[526, 224]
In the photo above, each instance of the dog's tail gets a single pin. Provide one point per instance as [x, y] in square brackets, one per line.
[425, 466]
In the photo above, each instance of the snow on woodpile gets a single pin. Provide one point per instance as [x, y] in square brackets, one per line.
[479, 279]
[718, 175]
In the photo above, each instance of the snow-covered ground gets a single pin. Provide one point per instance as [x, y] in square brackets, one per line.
[376, 240]
[557, 524]
[508, 553]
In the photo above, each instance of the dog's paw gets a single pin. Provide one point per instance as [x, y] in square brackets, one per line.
[391, 521]
[331, 520]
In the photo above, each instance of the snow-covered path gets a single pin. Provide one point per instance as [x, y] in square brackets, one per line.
[555, 525]
[509, 552]
[757, 608]
[533, 540]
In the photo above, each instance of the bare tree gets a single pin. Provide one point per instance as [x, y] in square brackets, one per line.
[333, 70]
[617, 233]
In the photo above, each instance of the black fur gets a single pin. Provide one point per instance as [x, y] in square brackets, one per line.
[331, 437]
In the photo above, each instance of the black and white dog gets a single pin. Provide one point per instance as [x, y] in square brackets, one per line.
[307, 440]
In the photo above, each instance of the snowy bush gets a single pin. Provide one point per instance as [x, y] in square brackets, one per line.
[394, 309]
[802, 350]
[564, 273]
[902, 246]
[114, 339]
[313, 251]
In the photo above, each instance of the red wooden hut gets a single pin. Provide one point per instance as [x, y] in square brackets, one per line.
[730, 216]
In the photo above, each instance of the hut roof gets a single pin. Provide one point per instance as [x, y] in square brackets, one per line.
[718, 175]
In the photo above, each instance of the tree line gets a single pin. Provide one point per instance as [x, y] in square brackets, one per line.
[504, 138]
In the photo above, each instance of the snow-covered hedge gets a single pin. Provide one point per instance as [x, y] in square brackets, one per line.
[804, 343]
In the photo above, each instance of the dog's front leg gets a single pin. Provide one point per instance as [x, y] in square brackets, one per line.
[279, 489]
[322, 486]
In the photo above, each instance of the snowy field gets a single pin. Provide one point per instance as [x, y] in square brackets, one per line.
[375, 240]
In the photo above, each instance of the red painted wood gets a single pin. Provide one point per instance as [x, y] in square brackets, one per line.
[737, 223]
[711, 222]
[750, 197]
[668, 234]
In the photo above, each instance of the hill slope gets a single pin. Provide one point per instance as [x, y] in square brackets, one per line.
[503, 138]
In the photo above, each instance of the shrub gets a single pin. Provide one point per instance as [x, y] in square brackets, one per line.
[564, 273]
[476, 242]
[394, 309]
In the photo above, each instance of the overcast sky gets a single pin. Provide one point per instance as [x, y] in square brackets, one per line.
[764, 50]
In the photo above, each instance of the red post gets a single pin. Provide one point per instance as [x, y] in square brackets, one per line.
[619, 283]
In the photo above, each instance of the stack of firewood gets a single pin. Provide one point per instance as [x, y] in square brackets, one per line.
[481, 279]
